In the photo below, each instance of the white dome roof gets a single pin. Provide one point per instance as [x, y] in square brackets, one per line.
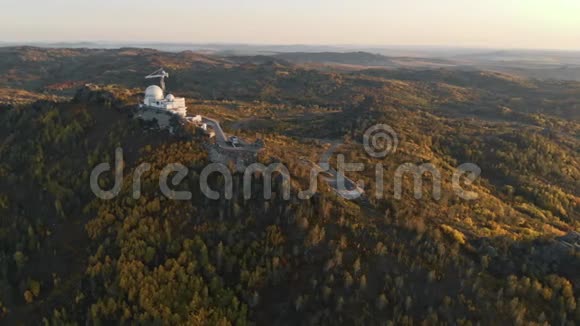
[154, 91]
[170, 97]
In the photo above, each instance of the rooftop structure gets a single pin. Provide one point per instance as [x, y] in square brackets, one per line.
[156, 100]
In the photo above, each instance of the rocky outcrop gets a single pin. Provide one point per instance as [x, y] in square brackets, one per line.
[241, 159]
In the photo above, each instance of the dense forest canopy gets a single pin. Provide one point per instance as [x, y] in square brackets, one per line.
[68, 257]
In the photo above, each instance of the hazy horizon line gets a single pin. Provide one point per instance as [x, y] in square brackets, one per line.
[258, 44]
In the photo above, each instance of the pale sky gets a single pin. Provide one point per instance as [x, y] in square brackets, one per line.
[547, 24]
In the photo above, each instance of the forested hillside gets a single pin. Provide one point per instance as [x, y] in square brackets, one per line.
[69, 257]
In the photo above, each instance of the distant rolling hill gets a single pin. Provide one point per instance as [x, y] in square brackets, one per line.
[528, 64]
[350, 58]
[361, 60]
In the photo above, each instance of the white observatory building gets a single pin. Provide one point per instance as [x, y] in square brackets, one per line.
[155, 98]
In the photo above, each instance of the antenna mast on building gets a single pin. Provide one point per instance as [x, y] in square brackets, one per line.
[161, 74]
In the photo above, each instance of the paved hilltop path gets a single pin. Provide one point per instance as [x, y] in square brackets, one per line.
[222, 139]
